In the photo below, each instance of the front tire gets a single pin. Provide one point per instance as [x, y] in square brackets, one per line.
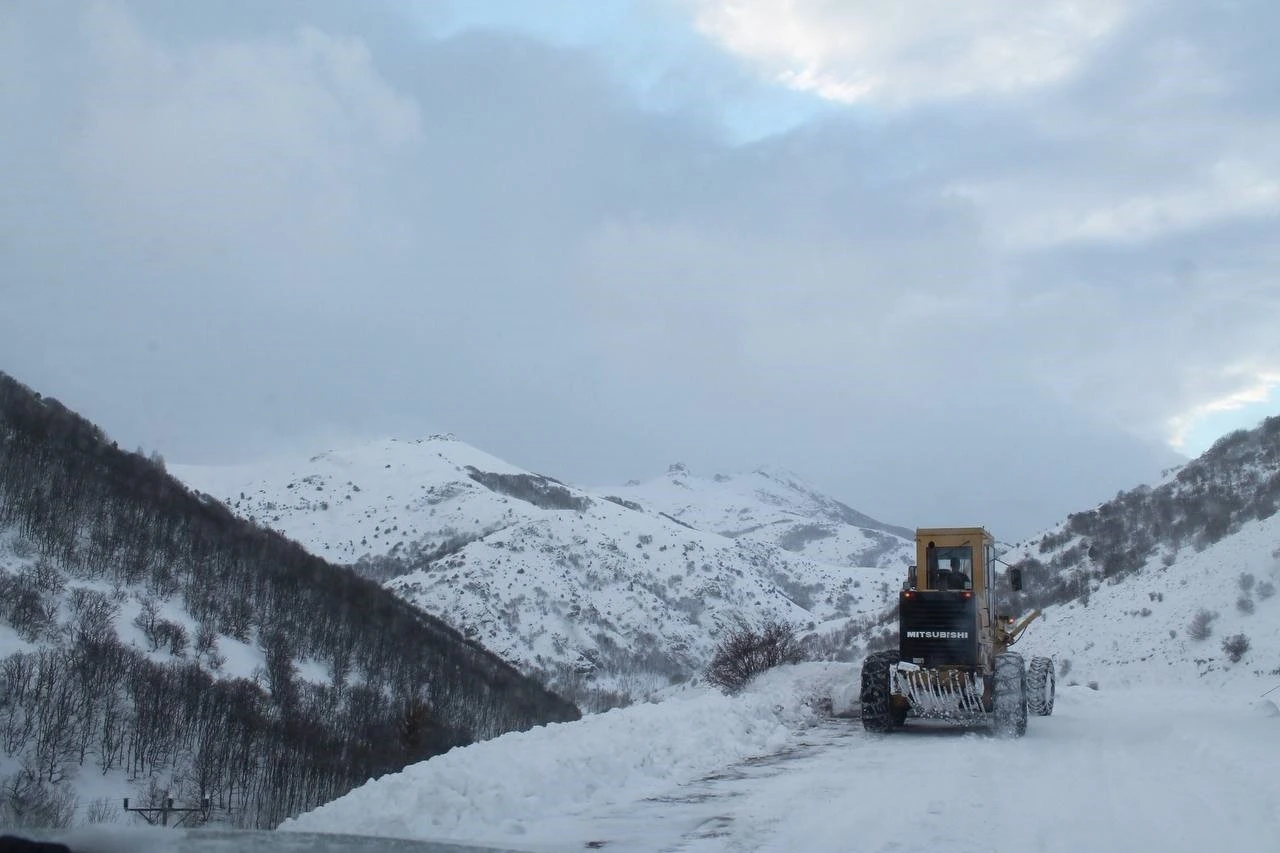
[877, 712]
[1041, 686]
[1010, 700]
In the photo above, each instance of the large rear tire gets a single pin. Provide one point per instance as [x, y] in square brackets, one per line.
[1041, 685]
[1010, 696]
[877, 712]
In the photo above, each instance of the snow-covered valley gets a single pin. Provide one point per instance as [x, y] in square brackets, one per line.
[1165, 633]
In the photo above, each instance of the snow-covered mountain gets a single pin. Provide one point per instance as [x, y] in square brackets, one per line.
[1172, 581]
[1146, 627]
[776, 506]
[576, 584]
[1162, 600]
[590, 583]
[153, 645]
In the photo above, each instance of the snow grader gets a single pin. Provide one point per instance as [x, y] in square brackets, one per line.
[953, 661]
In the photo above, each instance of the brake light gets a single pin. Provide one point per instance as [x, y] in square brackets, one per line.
[966, 594]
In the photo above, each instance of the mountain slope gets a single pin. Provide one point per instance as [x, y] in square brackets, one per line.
[1125, 583]
[404, 500]
[1233, 483]
[775, 506]
[573, 585]
[1145, 627]
[151, 636]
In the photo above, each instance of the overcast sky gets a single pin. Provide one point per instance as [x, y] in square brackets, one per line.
[980, 262]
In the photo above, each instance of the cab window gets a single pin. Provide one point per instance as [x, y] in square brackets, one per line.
[951, 567]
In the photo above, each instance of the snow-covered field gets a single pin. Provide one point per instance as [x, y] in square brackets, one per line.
[1143, 768]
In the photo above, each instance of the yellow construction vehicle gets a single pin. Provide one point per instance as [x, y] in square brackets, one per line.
[953, 660]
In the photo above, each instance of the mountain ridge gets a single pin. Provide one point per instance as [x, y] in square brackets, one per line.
[567, 582]
[803, 514]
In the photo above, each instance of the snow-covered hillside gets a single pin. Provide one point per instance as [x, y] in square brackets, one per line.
[1137, 628]
[776, 506]
[372, 500]
[574, 584]
[153, 645]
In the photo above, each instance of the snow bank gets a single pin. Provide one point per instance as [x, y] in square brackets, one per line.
[489, 791]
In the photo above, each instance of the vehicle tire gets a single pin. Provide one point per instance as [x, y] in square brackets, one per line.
[1041, 685]
[877, 712]
[1009, 714]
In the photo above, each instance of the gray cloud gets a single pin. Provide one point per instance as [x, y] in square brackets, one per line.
[231, 231]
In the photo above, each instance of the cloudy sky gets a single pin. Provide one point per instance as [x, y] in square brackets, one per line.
[979, 262]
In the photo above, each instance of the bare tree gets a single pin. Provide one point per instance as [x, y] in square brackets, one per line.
[745, 653]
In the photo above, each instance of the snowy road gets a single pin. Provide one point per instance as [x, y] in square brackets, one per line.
[1125, 771]
[1135, 769]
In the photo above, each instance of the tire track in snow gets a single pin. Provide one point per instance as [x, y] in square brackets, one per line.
[1123, 771]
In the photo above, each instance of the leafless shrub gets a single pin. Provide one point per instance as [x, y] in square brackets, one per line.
[1201, 625]
[745, 653]
[1235, 646]
[1244, 604]
[146, 620]
[92, 614]
[1266, 589]
[171, 635]
[206, 641]
[102, 810]
[26, 800]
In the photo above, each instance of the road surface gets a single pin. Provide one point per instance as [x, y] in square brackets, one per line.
[1133, 770]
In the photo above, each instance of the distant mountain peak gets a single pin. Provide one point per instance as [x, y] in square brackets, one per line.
[782, 475]
[774, 504]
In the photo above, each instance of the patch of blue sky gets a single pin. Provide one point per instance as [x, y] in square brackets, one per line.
[1205, 430]
[656, 53]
